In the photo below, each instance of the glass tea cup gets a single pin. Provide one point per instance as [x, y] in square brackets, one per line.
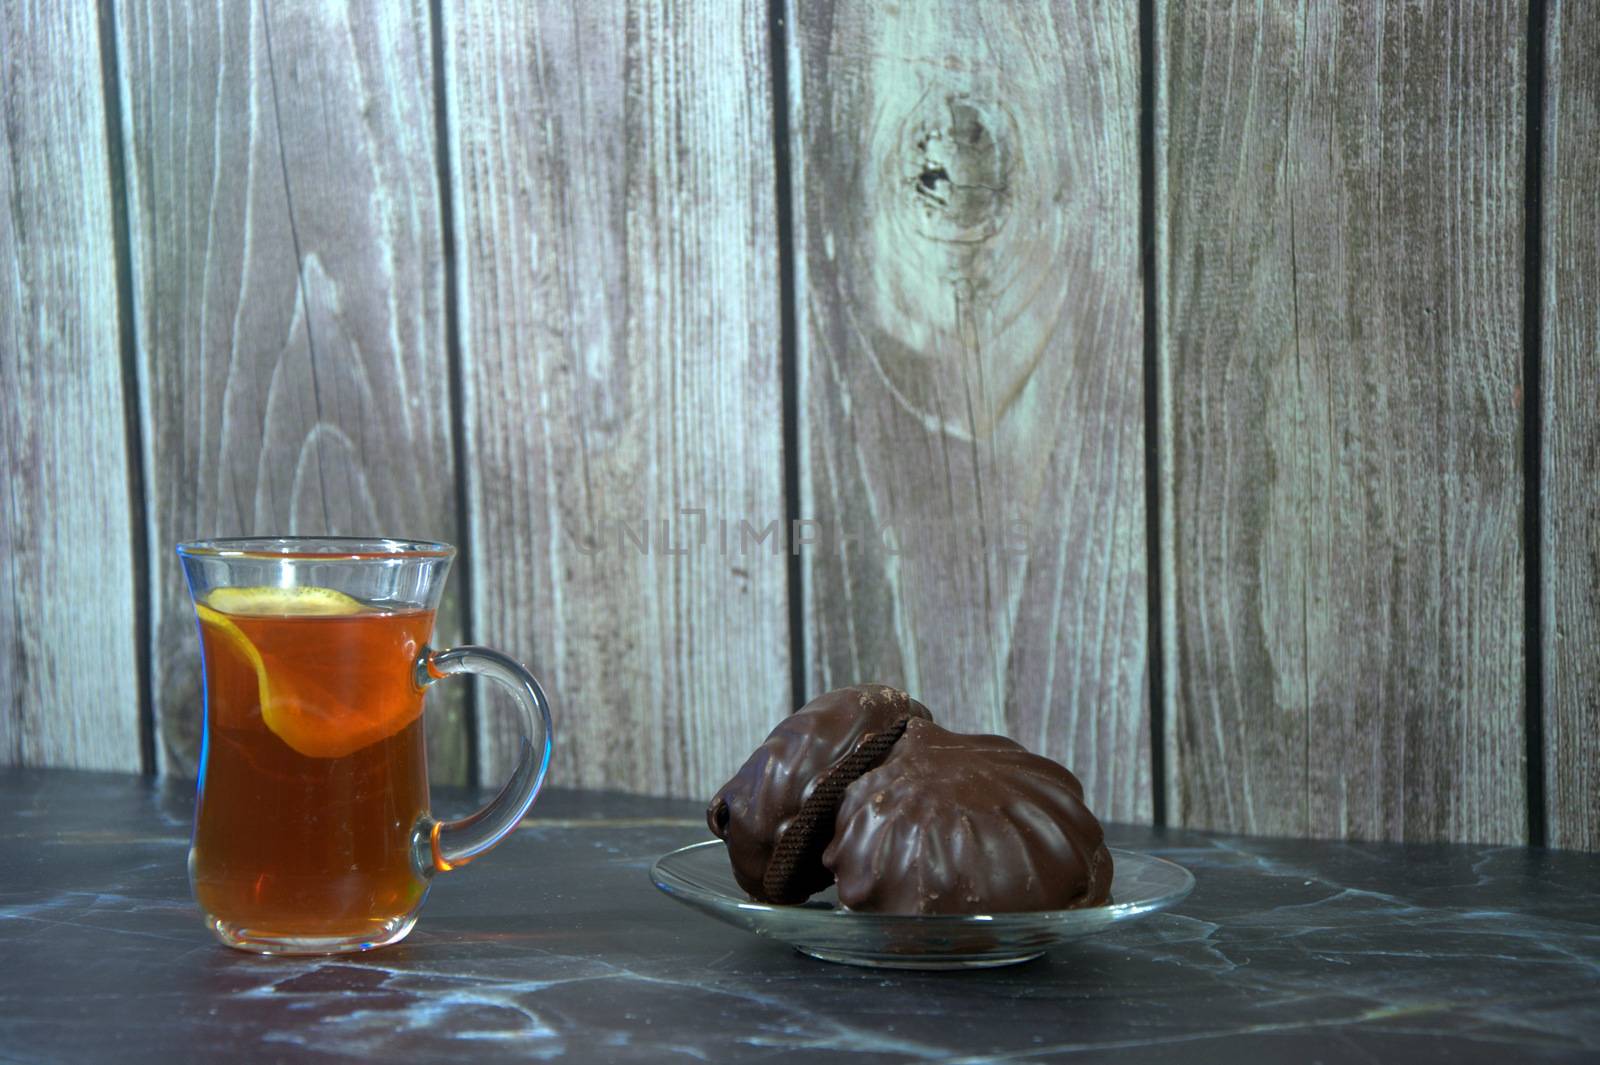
[312, 832]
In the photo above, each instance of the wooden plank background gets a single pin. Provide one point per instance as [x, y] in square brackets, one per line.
[289, 279]
[967, 240]
[620, 348]
[1571, 438]
[69, 682]
[539, 279]
[1342, 210]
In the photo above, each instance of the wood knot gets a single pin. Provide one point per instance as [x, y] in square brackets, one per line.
[963, 243]
[958, 168]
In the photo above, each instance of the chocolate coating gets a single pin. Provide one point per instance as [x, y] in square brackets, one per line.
[967, 824]
[753, 811]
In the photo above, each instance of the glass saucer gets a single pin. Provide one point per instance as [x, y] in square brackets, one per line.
[699, 876]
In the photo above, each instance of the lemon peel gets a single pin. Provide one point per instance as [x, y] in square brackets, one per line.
[268, 601]
[302, 722]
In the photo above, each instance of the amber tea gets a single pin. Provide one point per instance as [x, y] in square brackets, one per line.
[311, 717]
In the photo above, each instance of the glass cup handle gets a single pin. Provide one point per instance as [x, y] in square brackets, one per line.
[439, 846]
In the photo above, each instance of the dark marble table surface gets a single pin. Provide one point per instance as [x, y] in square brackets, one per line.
[557, 947]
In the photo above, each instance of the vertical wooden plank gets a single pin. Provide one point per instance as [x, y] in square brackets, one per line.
[967, 237]
[1571, 425]
[1340, 227]
[618, 290]
[289, 285]
[69, 692]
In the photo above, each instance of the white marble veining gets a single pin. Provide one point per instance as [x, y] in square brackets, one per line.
[557, 948]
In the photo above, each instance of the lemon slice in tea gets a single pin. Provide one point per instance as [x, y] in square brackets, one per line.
[264, 601]
[325, 689]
